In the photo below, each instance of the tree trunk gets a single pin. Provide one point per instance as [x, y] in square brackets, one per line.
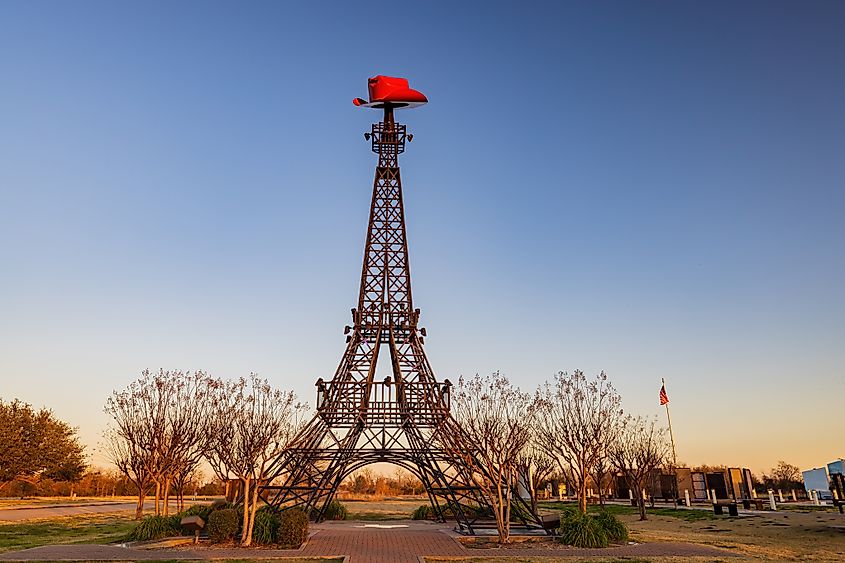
[507, 512]
[167, 496]
[498, 511]
[139, 510]
[582, 494]
[245, 539]
[158, 498]
[253, 507]
[641, 502]
[600, 479]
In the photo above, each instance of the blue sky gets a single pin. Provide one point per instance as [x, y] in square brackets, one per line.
[650, 188]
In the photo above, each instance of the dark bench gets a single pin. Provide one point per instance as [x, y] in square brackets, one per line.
[757, 502]
[719, 505]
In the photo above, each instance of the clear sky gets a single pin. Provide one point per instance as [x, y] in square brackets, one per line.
[650, 188]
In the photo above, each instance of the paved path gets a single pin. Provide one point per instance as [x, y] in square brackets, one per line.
[360, 542]
[32, 512]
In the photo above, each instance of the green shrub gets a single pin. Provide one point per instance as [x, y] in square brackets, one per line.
[223, 525]
[265, 530]
[335, 511]
[201, 510]
[293, 528]
[176, 522]
[612, 526]
[423, 512]
[155, 527]
[220, 504]
[569, 513]
[581, 530]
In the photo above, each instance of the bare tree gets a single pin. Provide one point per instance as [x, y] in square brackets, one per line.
[131, 461]
[534, 467]
[493, 419]
[185, 437]
[640, 449]
[188, 476]
[252, 424]
[602, 467]
[576, 421]
[600, 471]
[162, 418]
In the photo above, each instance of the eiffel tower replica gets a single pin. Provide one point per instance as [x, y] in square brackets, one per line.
[359, 420]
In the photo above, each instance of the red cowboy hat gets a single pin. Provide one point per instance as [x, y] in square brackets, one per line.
[391, 91]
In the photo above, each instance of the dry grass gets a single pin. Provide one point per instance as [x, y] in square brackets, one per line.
[781, 536]
[792, 535]
[518, 559]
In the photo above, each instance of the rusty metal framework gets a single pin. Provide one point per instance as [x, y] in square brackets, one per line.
[360, 420]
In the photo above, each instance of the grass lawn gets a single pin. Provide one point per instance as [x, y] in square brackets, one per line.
[95, 528]
[274, 560]
[579, 560]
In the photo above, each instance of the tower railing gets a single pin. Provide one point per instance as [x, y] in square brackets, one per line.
[388, 138]
[338, 402]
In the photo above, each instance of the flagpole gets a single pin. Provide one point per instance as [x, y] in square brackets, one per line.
[674, 455]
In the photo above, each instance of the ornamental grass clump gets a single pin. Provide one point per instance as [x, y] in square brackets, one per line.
[423, 512]
[293, 528]
[265, 531]
[201, 510]
[614, 528]
[582, 530]
[156, 527]
[336, 511]
[223, 525]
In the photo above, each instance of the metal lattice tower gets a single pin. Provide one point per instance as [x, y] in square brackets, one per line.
[360, 420]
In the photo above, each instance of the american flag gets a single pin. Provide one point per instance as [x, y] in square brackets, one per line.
[664, 398]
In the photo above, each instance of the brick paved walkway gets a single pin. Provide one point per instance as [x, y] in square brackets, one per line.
[360, 542]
